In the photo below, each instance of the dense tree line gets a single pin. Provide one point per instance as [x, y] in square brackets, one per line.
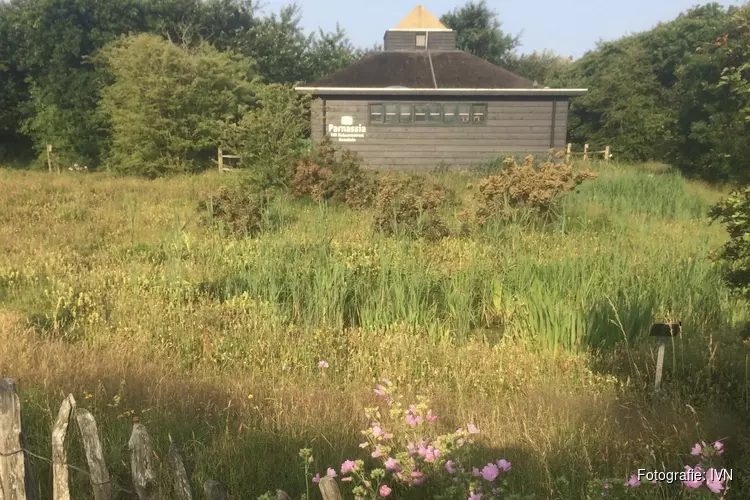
[677, 93]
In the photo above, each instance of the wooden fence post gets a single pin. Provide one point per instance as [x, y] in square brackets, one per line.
[49, 157]
[221, 160]
[60, 485]
[100, 481]
[12, 466]
[329, 489]
[606, 154]
[567, 153]
[282, 495]
[141, 463]
[177, 465]
[585, 152]
[214, 490]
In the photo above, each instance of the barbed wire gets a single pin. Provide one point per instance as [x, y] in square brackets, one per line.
[69, 466]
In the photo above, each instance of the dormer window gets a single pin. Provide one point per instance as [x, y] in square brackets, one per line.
[421, 40]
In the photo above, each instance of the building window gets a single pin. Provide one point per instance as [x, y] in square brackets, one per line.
[478, 113]
[376, 113]
[391, 115]
[428, 113]
[405, 112]
[421, 40]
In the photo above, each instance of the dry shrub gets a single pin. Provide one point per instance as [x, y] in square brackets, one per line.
[331, 174]
[409, 204]
[241, 209]
[536, 188]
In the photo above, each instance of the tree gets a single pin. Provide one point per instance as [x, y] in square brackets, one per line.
[542, 67]
[167, 104]
[478, 32]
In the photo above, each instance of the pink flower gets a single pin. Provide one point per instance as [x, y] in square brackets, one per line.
[607, 486]
[475, 496]
[713, 481]
[450, 466]
[417, 478]
[381, 391]
[322, 364]
[490, 472]
[697, 450]
[316, 478]
[413, 420]
[377, 453]
[695, 477]
[411, 447]
[430, 417]
[387, 435]
[392, 464]
[719, 447]
[472, 429]
[348, 466]
[504, 465]
[377, 431]
[384, 490]
[431, 454]
[633, 481]
[346, 479]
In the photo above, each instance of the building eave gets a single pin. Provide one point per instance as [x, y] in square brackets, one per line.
[328, 91]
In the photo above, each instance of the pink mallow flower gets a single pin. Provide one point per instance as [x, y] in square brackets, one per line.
[697, 450]
[348, 466]
[431, 454]
[475, 496]
[695, 477]
[384, 490]
[392, 464]
[633, 481]
[430, 417]
[504, 465]
[417, 478]
[719, 447]
[377, 453]
[450, 466]
[331, 472]
[316, 478]
[472, 429]
[322, 364]
[413, 420]
[713, 481]
[490, 472]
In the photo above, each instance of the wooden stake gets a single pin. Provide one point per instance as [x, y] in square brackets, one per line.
[94, 455]
[12, 466]
[182, 487]
[585, 152]
[659, 363]
[221, 160]
[567, 153]
[329, 489]
[142, 464]
[60, 485]
[606, 154]
[49, 157]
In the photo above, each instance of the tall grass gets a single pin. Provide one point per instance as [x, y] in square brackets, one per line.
[537, 332]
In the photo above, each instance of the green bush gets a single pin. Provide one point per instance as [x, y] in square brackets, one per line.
[241, 209]
[331, 174]
[734, 211]
[408, 204]
[166, 103]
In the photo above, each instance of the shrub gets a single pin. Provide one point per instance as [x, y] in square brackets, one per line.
[409, 204]
[166, 102]
[240, 209]
[330, 174]
[536, 188]
[734, 211]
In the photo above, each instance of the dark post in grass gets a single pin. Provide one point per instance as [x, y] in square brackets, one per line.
[663, 331]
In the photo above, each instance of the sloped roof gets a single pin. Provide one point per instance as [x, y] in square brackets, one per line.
[420, 19]
[453, 70]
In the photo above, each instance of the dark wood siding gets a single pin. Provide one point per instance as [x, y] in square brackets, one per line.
[441, 40]
[514, 125]
[400, 40]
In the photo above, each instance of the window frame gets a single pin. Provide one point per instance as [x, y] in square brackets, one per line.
[457, 108]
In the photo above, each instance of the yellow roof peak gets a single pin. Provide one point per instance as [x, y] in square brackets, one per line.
[420, 19]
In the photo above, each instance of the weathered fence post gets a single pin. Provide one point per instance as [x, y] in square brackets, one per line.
[100, 481]
[567, 153]
[214, 490]
[179, 473]
[12, 467]
[60, 486]
[329, 489]
[585, 152]
[141, 463]
[221, 160]
[606, 154]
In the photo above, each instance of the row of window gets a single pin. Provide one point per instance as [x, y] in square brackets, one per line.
[452, 114]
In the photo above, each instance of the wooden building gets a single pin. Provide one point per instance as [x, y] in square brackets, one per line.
[420, 102]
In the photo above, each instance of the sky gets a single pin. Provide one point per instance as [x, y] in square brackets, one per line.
[569, 28]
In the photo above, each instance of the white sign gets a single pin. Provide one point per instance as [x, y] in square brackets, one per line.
[347, 131]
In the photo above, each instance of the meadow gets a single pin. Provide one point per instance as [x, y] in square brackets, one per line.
[116, 290]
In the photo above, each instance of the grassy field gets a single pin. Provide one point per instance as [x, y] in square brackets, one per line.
[113, 290]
